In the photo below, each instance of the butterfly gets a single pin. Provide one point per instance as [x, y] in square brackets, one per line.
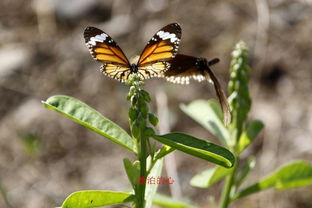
[153, 61]
[184, 67]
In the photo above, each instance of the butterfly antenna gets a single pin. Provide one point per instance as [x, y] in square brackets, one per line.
[213, 61]
[220, 93]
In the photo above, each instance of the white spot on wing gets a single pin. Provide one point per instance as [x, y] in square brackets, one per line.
[98, 38]
[166, 35]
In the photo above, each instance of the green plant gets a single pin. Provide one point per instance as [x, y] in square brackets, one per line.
[237, 136]
[148, 161]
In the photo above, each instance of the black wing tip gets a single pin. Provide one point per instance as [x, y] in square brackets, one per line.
[175, 24]
[87, 32]
[91, 31]
[173, 27]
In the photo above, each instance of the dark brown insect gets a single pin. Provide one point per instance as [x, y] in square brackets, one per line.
[184, 68]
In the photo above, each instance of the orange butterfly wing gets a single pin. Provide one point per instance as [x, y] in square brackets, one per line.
[163, 47]
[105, 50]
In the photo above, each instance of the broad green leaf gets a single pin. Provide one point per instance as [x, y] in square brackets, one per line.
[151, 188]
[244, 172]
[198, 148]
[165, 150]
[292, 175]
[133, 171]
[252, 130]
[208, 114]
[90, 199]
[90, 118]
[165, 201]
[210, 176]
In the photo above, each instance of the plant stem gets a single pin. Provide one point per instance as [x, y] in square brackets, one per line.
[141, 186]
[225, 198]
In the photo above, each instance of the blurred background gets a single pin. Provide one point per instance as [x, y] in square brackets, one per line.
[44, 157]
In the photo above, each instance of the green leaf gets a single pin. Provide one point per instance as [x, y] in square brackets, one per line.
[198, 148]
[209, 115]
[90, 199]
[165, 150]
[252, 130]
[210, 176]
[90, 118]
[292, 175]
[133, 171]
[165, 201]
[244, 172]
[151, 189]
[153, 119]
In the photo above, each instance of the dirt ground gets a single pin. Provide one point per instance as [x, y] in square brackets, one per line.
[44, 157]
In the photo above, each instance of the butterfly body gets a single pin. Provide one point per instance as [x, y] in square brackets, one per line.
[153, 61]
[202, 65]
[134, 68]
